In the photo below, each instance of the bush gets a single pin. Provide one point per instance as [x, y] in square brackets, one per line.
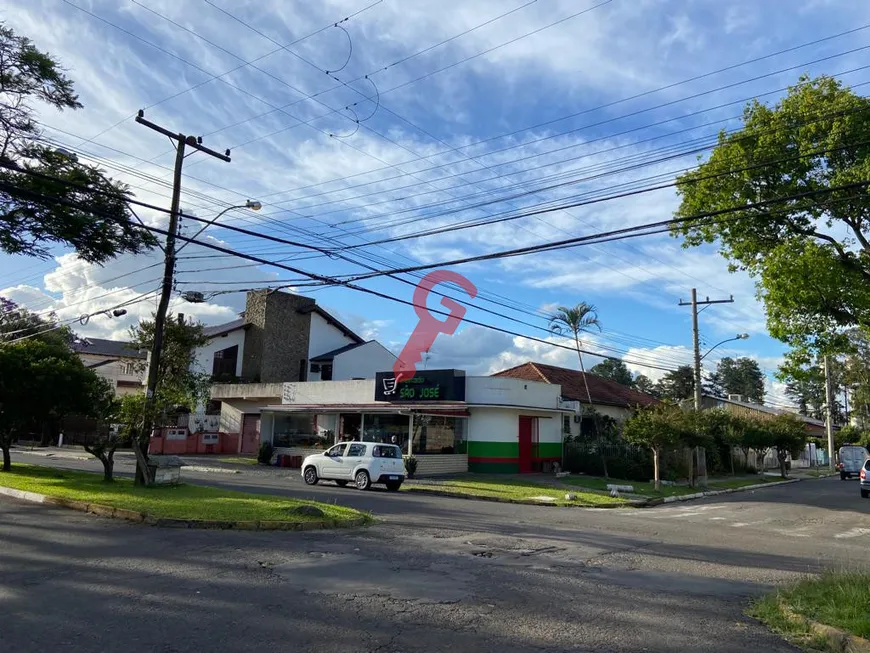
[410, 466]
[264, 456]
[623, 461]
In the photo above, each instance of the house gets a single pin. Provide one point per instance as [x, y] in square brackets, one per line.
[608, 397]
[115, 361]
[280, 338]
[736, 404]
[449, 421]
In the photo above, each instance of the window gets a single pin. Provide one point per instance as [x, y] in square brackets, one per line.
[566, 424]
[128, 369]
[209, 438]
[303, 368]
[299, 430]
[224, 363]
[356, 451]
[386, 451]
[434, 434]
[389, 429]
[326, 372]
[337, 450]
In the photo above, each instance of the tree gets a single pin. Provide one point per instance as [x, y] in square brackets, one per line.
[678, 384]
[42, 381]
[717, 428]
[757, 437]
[179, 385]
[17, 322]
[740, 376]
[810, 256]
[48, 197]
[128, 411]
[804, 376]
[856, 376]
[615, 370]
[788, 435]
[658, 427]
[581, 318]
[643, 383]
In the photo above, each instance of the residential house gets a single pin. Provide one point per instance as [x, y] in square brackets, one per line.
[115, 361]
[280, 338]
[736, 404]
[608, 397]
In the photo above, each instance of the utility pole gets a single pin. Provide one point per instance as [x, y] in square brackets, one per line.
[829, 414]
[181, 142]
[700, 452]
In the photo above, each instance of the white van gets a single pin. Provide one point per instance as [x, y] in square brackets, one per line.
[851, 459]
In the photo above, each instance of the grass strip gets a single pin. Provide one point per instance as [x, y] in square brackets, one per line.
[648, 489]
[191, 502]
[836, 598]
[517, 491]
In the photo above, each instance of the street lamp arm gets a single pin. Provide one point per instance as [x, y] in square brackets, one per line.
[253, 205]
[740, 336]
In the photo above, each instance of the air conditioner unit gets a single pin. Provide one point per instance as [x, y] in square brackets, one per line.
[578, 419]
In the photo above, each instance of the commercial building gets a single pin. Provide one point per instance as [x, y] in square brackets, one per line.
[449, 421]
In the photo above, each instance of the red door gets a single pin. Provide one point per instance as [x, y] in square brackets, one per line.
[250, 434]
[525, 438]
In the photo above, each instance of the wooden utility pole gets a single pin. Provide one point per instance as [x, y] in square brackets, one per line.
[829, 414]
[700, 452]
[181, 142]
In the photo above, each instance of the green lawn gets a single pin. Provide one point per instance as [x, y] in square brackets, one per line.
[839, 599]
[516, 490]
[648, 489]
[239, 460]
[178, 502]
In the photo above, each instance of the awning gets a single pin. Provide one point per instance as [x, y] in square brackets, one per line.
[454, 409]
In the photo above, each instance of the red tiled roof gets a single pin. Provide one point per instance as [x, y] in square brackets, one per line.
[603, 391]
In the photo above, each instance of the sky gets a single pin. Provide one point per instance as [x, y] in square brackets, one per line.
[412, 117]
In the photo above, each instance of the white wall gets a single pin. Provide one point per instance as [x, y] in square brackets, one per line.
[511, 392]
[492, 425]
[330, 392]
[363, 362]
[116, 370]
[205, 354]
[616, 412]
[324, 337]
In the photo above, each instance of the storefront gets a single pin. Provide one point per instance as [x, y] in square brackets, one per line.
[451, 423]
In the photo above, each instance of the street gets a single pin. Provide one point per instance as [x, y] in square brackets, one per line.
[434, 574]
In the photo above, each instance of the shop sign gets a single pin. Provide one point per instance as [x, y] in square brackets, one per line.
[426, 385]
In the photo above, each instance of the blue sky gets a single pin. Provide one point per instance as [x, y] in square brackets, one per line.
[495, 112]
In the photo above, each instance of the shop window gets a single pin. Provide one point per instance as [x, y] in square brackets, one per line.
[389, 429]
[299, 431]
[439, 434]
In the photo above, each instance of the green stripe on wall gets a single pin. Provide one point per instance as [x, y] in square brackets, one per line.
[494, 468]
[478, 449]
[549, 450]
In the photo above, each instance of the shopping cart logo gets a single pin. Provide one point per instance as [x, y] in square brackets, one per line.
[390, 385]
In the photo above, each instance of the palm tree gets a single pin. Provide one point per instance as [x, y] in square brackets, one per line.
[581, 318]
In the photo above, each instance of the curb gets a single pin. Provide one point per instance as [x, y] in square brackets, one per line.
[714, 493]
[150, 520]
[629, 503]
[837, 639]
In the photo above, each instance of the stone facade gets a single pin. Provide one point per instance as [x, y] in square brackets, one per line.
[276, 343]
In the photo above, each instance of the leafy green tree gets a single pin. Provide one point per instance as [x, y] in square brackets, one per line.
[643, 383]
[788, 436]
[757, 437]
[804, 376]
[678, 384]
[810, 257]
[714, 426]
[657, 427]
[41, 381]
[179, 385]
[741, 376]
[615, 370]
[856, 376]
[17, 322]
[30, 223]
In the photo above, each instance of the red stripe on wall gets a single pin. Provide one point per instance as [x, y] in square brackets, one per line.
[474, 459]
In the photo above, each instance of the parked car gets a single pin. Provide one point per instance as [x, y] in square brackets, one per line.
[364, 463]
[865, 479]
[851, 460]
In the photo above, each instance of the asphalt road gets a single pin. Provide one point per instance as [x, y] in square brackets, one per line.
[435, 574]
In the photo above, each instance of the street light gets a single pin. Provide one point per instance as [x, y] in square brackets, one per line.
[739, 336]
[253, 205]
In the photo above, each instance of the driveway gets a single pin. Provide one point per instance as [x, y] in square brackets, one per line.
[434, 574]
